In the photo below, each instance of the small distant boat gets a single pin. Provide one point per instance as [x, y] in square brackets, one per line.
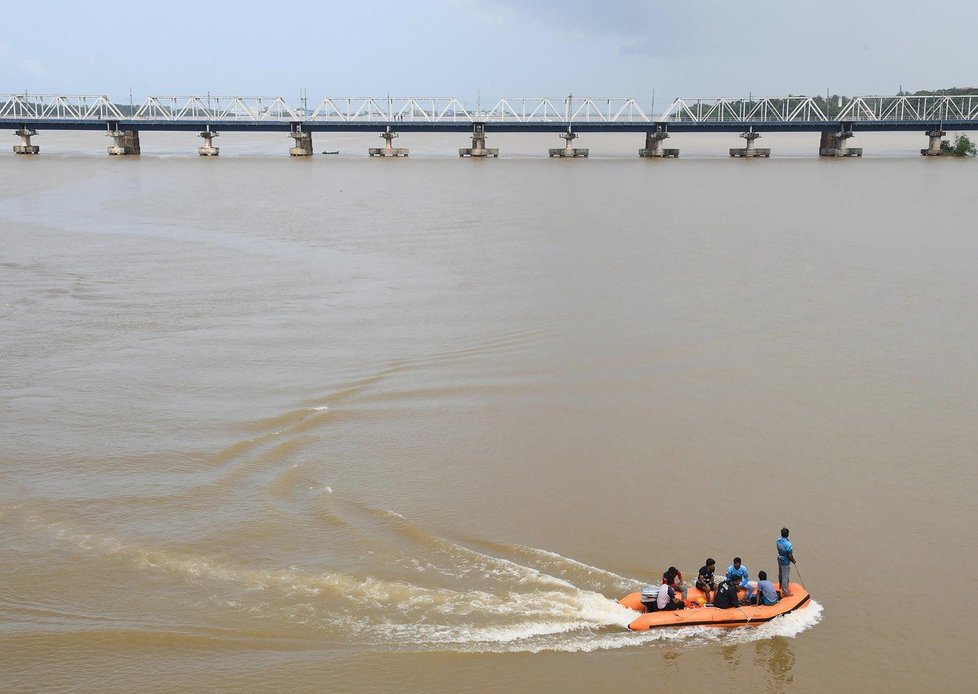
[336, 152]
[748, 615]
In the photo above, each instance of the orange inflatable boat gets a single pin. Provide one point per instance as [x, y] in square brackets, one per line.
[748, 615]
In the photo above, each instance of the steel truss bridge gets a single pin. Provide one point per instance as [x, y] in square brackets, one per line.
[512, 114]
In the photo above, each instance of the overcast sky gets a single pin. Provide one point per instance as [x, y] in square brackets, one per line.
[489, 48]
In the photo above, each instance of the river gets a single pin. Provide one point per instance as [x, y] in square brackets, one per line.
[350, 424]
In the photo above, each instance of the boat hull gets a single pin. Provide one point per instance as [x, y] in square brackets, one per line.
[748, 615]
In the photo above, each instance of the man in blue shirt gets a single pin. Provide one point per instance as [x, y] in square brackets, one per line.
[786, 557]
[738, 569]
[766, 594]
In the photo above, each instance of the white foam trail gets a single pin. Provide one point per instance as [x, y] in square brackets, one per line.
[319, 408]
[623, 583]
[530, 612]
[585, 641]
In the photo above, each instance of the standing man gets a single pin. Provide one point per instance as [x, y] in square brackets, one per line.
[786, 557]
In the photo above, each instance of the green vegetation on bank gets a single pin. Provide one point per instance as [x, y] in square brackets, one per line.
[950, 91]
[962, 147]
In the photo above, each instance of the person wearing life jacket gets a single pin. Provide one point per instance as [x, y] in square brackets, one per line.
[786, 557]
[674, 577]
[726, 596]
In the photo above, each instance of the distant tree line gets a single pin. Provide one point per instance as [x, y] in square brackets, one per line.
[950, 91]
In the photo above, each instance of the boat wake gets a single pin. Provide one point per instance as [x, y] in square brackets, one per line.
[408, 591]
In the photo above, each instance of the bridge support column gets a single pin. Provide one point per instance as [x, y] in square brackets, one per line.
[934, 146]
[388, 150]
[303, 141]
[750, 150]
[833, 144]
[124, 142]
[653, 144]
[567, 150]
[478, 148]
[208, 150]
[25, 146]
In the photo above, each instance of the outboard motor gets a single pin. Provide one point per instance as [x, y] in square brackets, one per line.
[649, 596]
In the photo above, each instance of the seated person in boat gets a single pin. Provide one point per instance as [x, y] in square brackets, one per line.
[766, 593]
[726, 596]
[738, 569]
[674, 577]
[669, 599]
[705, 580]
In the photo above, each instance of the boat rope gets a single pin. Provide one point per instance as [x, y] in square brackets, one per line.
[759, 606]
[798, 571]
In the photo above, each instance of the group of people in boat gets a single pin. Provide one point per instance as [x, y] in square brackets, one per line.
[673, 592]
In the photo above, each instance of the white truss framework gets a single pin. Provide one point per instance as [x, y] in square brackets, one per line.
[924, 108]
[506, 110]
[510, 110]
[761, 109]
[234, 108]
[329, 110]
[58, 107]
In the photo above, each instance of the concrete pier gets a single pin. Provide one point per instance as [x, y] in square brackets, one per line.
[833, 144]
[653, 145]
[124, 142]
[934, 146]
[388, 150]
[750, 151]
[567, 150]
[478, 148]
[208, 150]
[25, 146]
[303, 142]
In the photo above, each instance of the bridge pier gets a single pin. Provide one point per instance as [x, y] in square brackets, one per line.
[388, 150]
[567, 150]
[208, 150]
[25, 146]
[653, 144]
[750, 150]
[934, 143]
[303, 141]
[478, 148]
[124, 142]
[833, 144]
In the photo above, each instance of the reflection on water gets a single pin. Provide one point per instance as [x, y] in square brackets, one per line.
[778, 655]
[730, 654]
